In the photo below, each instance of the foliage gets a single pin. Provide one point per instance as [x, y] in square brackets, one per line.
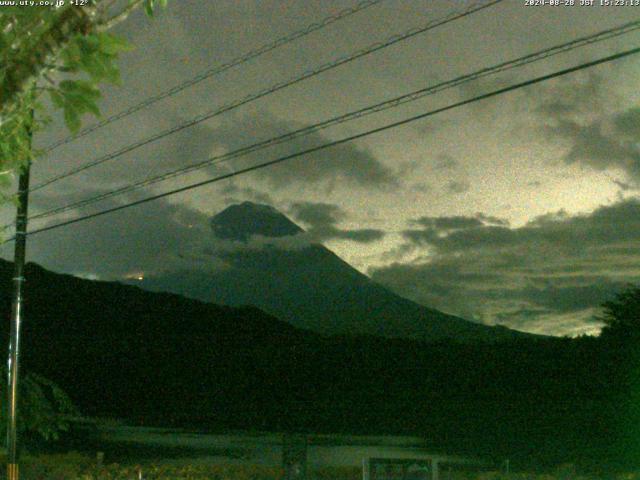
[64, 51]
[534, 401]
[74, 466]
[621, 315]
[44, 410]
[95, 55]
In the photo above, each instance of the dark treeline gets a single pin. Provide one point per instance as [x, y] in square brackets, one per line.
[161, 359]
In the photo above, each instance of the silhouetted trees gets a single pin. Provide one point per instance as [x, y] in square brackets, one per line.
[621, 316]
[166, 360]
[45, 410]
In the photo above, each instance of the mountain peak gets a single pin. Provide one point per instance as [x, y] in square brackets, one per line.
[244, 220]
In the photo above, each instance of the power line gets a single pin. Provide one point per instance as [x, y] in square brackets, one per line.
[218, 70]
[387, 104]
[275, 88]
[351, 138]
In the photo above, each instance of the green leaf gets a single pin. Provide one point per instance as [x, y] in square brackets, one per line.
[112, 44]
[71, 56]
[83, 104]
[79, 88]
[88, 44]
[148, 7]
[71, 119]
[77, 97]
[57, 98]
[94, 66]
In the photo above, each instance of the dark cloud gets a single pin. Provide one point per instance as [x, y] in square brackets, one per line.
[627, 123]
[317, 214]
[491, 220]
[581, 293]
[146, 239]
[459, 222]
[458, 186]
[481, 86]
[238, 194]
[360, 235]
[624, 186]
[557, 265]
[433, 228]
[578, 95]
[186, 147]
[574, 112]
[174, 151]
[599, 146]
[421, 187]
[347, 163]
[445, 161]
[321, 219]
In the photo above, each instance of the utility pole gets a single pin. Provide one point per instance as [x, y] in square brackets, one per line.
[16, 316]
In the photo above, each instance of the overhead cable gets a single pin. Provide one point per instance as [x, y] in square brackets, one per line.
[211, 72]
[379, 107]
[341, 141]
[474, 7]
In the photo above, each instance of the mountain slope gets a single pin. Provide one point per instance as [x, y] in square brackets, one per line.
[307, 285]
[121, 351]
[162, 359]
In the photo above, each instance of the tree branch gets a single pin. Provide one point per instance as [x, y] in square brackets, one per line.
[119, 17]
[28, 65]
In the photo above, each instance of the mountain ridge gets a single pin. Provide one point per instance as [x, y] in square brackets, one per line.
[165, 360]
[306, 284]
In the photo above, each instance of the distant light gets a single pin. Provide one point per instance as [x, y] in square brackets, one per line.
[140, 277]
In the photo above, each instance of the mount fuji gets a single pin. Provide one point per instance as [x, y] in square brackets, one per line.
[269, 262]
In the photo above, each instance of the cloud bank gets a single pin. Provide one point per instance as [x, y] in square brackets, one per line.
[548, 276]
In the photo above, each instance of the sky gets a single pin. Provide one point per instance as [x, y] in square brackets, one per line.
[520, 210]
